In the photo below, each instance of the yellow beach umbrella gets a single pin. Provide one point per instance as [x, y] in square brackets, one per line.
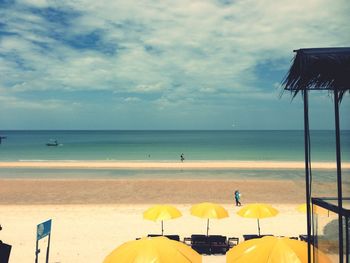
[208, 211]
[271, 249]
[153, 250]
[161, 213]
[316, 209]
[257, 211]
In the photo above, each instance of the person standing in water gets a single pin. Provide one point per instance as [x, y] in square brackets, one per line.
[238, 198]
[182, 157]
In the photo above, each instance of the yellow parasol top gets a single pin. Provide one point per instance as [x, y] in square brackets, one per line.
[161, 212]
[155, 250]
[209, 210]
[271, 249]
[257, 210]
[317, 209]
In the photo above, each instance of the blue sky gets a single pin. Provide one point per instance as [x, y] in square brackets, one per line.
[206, 64]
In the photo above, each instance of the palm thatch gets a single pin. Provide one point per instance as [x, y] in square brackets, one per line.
[319, 69]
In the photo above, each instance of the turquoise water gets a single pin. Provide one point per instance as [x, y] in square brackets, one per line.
[168, 145]
[266, 174]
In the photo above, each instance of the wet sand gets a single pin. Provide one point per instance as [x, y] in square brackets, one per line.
[147, 191]
[169, 165]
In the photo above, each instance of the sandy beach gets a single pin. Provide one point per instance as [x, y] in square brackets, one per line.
[93, 216]
[87, 233]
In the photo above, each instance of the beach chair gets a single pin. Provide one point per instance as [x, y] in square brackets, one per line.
[248, 237]
[154, 235]
[305, 238]
[232, 241]
[5, 251]
[173, 237]
[218, 244]
[187, 241]
[201, 244]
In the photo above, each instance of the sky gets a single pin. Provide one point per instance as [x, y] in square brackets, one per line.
[183, 64]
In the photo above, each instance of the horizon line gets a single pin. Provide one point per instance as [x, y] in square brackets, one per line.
[4, 130]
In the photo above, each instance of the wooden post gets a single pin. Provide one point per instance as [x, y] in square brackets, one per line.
[48, 249]
[207, 226]
[37, 251]
[307, 172]
[162, 229]
[339, 177]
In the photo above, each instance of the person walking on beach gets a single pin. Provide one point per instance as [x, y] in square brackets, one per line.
[182, 157]
[238, 198]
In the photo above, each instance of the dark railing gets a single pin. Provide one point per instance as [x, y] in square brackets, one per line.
[329, 240]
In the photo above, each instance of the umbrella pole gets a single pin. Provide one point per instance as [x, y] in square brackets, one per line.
[258, 227]
[208, 227]
[162, 229]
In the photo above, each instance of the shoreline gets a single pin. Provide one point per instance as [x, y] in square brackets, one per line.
[194, 165]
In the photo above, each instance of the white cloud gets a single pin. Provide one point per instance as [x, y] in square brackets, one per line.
[37, 3]
[184, 52]
[148, 88]
[131, 99]
[10, 102]
[198, 42]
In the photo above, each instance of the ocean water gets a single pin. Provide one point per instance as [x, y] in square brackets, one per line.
[168, 145]
[224, 174]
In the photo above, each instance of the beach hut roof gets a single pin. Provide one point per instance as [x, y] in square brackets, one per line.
[319, 69]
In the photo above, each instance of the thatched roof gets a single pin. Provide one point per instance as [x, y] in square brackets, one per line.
[319, 69]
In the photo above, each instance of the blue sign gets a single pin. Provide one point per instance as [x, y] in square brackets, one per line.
[43, 229]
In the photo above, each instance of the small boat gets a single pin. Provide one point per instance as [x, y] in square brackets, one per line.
[1, 138]
[52, 143]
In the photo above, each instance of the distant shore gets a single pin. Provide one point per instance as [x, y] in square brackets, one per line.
[196, 165]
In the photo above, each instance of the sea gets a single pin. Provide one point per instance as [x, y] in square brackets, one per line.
[167, 145]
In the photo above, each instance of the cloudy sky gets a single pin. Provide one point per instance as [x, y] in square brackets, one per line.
[179, 64]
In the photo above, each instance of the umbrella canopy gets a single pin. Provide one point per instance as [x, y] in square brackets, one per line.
[155, 250]
[161, 213]
[257, 211]
[316, 209]
[209, 210]
[319, 69]
[271, 249]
